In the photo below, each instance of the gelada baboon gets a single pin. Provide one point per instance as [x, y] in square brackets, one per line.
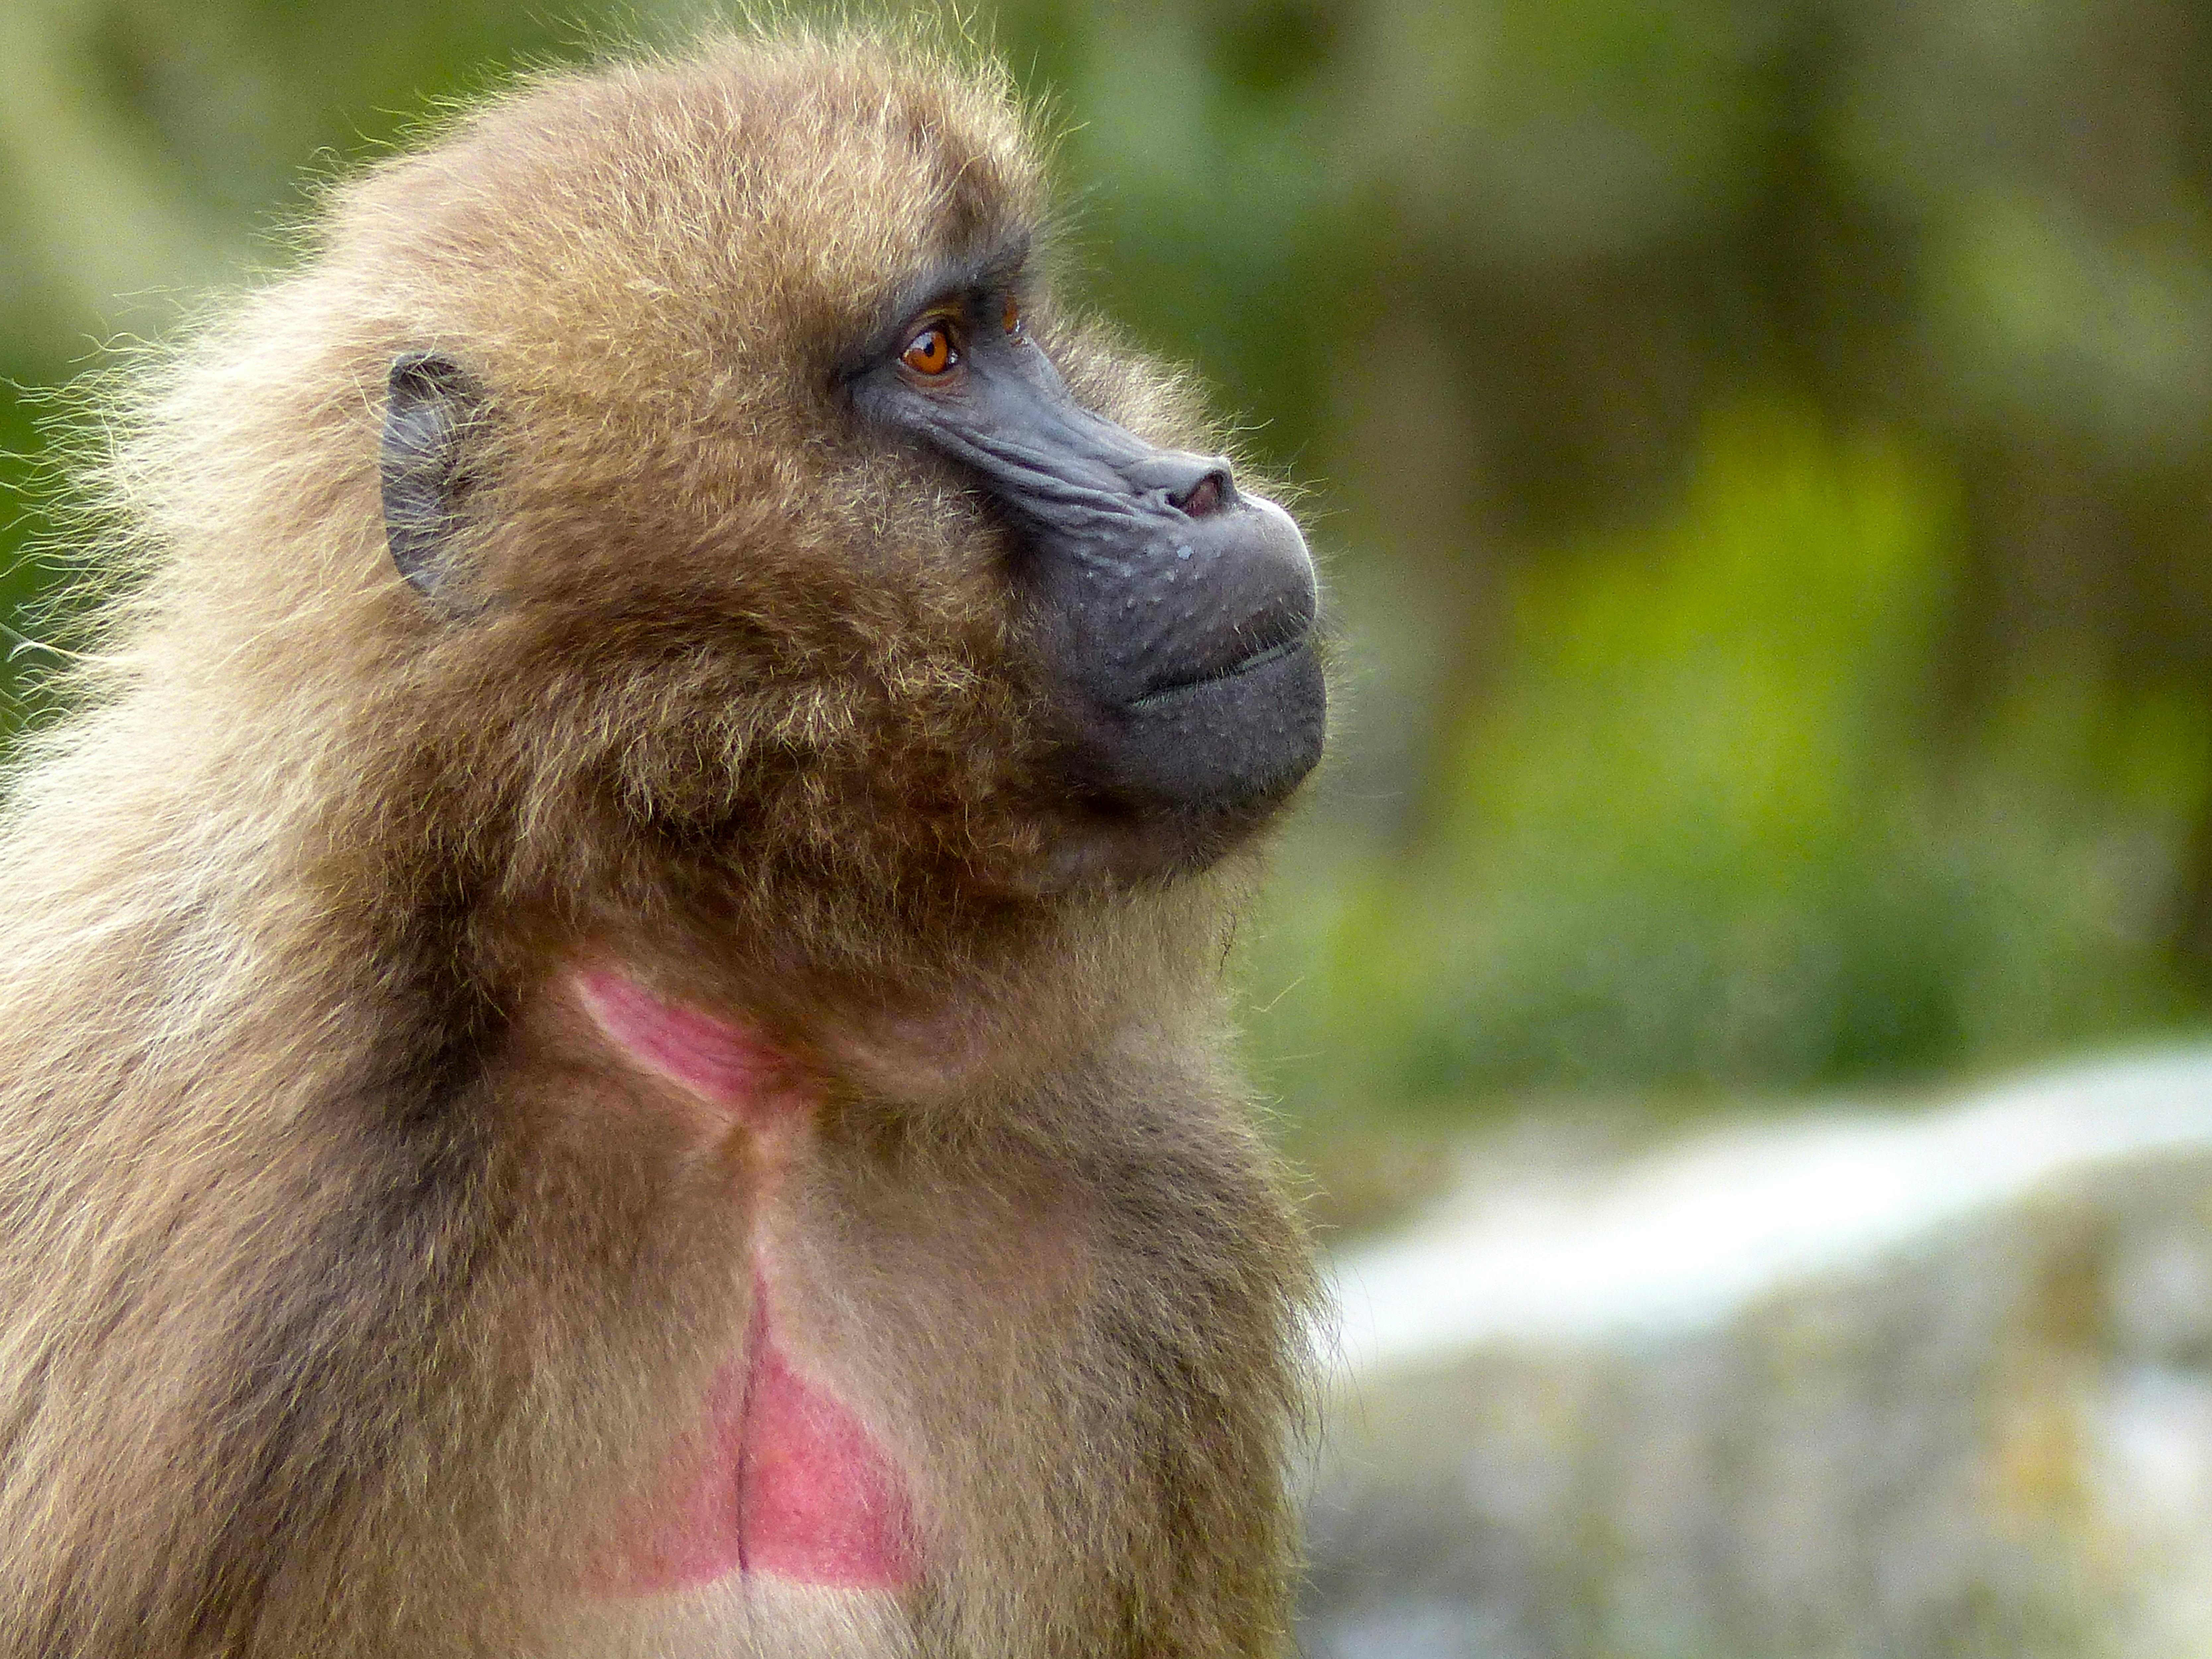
[611, 1007]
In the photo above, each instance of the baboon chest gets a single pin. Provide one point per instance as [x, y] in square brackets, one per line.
[796, 1488]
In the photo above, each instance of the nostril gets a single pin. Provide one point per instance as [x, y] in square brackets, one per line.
[1206, 497]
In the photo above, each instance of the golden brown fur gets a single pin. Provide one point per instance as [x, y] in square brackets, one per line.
[342, 1284]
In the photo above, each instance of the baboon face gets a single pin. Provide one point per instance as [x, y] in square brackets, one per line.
[988, 566]
[1172, 613]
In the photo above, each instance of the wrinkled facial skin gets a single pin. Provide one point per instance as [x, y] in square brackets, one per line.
[1174, 612]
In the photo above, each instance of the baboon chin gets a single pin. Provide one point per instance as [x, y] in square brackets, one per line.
[612, 1028]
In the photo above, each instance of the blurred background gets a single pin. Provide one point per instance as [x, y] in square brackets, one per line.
[1762, 452]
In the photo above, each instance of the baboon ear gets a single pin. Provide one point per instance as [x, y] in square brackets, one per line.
[433, 407]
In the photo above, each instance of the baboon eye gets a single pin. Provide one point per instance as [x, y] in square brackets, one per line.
[932, 351]
[1012, 318]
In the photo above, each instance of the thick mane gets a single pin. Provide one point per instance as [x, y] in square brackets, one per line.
[316, 1335]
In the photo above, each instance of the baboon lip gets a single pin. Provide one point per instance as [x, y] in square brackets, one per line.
[1260, 659]
[1214, 752]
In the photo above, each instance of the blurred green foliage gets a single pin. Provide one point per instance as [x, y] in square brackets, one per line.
[1760, 447]
[1697, 840]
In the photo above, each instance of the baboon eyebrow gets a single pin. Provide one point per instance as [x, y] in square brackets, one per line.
[993, 267]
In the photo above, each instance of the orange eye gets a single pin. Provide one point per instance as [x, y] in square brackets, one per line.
[1012, 319]
[931, 351]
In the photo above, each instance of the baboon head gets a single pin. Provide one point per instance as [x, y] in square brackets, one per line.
[750, 487]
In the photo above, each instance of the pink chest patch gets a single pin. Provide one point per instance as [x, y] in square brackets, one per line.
[716, 1060]
[789, 1481]
[793, 1485]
